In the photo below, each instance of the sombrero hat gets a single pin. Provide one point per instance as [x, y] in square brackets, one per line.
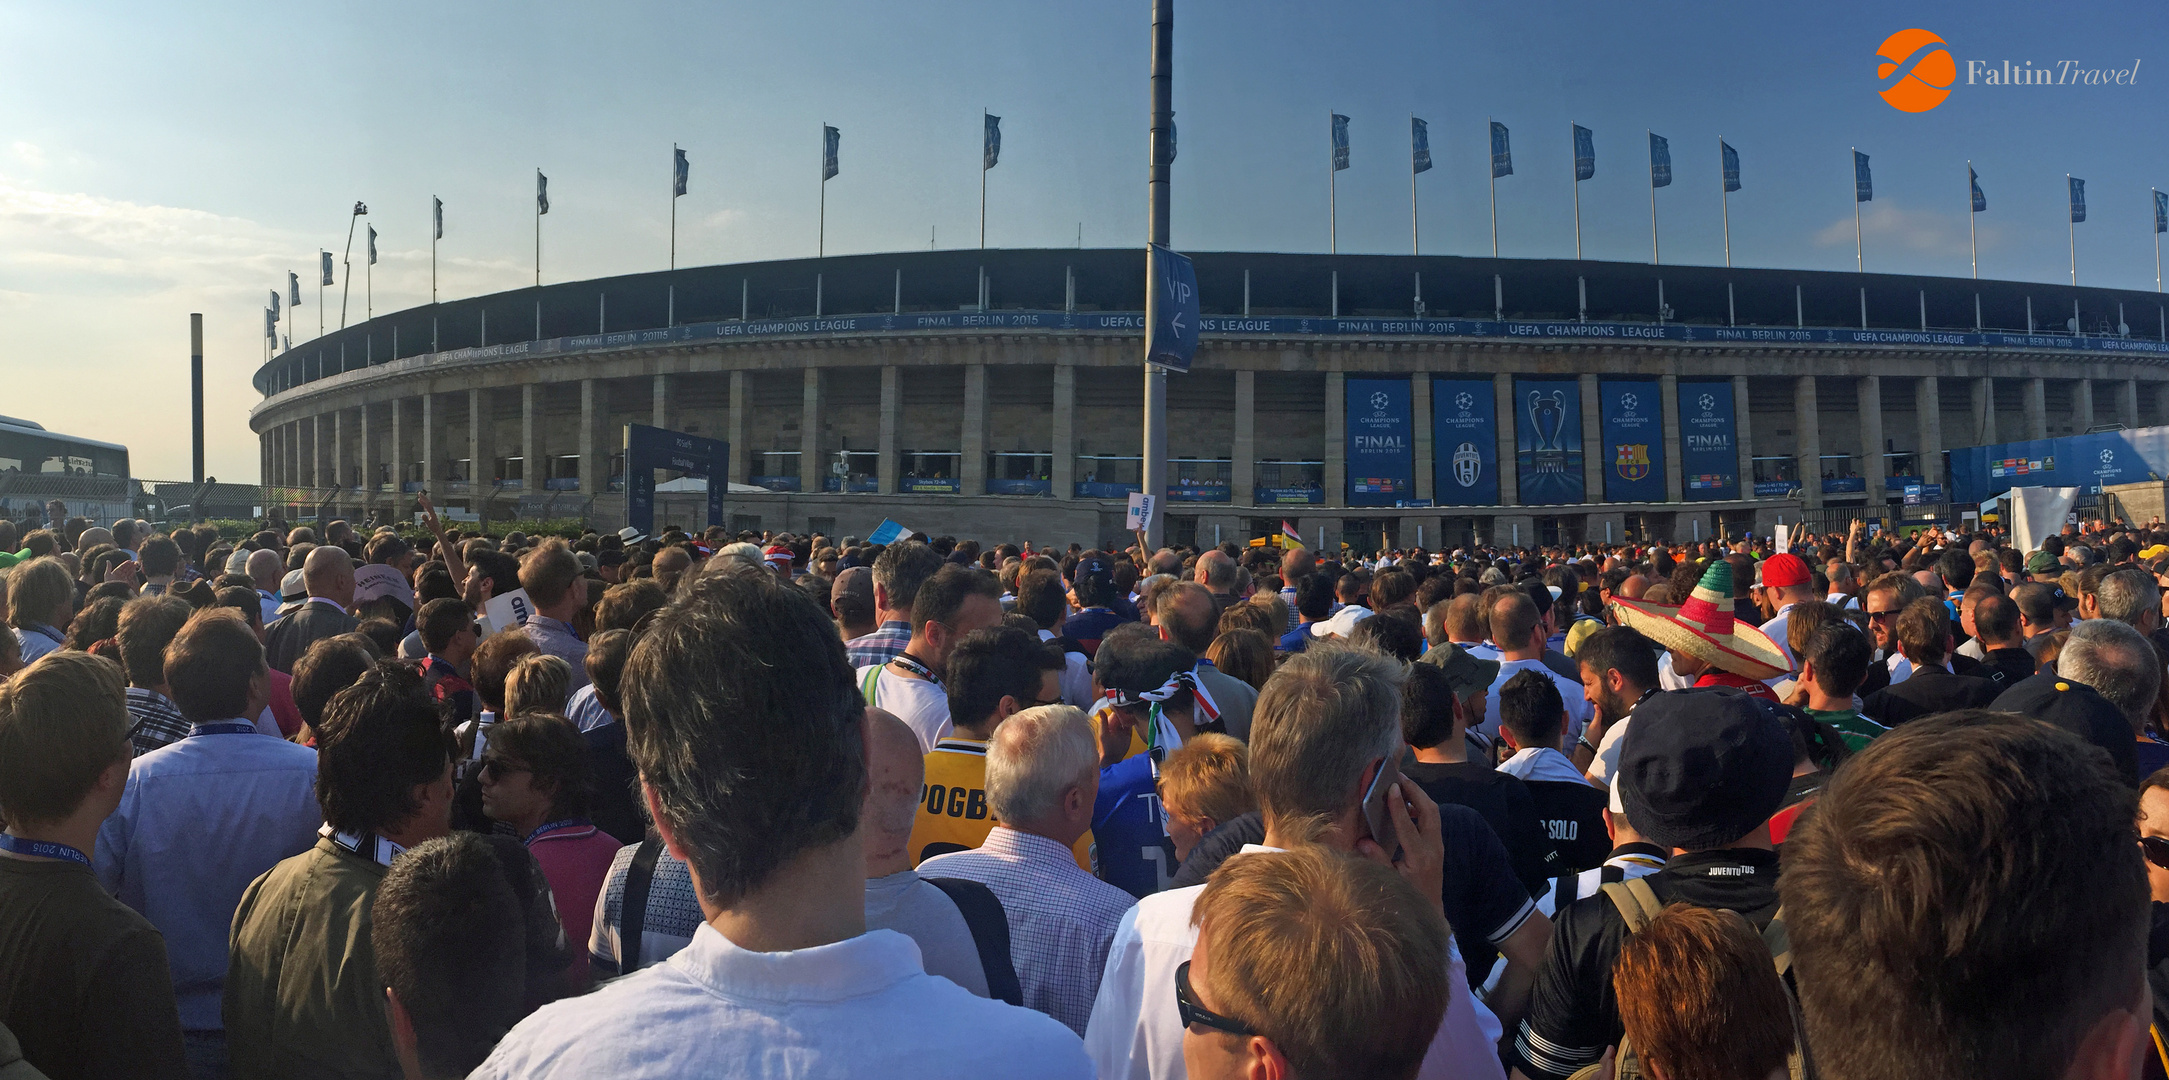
[1704, 627]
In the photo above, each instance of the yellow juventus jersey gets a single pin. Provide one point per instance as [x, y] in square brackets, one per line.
[953, 814]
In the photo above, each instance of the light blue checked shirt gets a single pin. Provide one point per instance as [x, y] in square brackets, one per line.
[886, 643]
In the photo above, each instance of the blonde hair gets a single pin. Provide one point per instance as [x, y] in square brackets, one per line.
[1333, 957]
[63, 721]
[538, 683]
[1209, 776]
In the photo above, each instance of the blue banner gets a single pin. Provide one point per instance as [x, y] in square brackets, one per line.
[1709, 451]
[2078, 199]
[1844, 485]
[2132, 456]
[2161, 218]
[1973, 180]
[1265, 496]
[1340, 142]
[1660, 161]
[1728, 160]
[1209, 491]
[1096, 489]
[997, 486]
[992, 154]
[1502, 157]
[830, 137]
[1765, 489]
[1548, 441]
[1419, 145]
[1633, 413]
[1863, 181]
[1465, 442]
[1381, 445]
[1585, 153]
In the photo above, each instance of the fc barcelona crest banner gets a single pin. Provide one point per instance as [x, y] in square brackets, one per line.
[1633, 440]
[1548, 442]
[1465, 440]
[1709, 453]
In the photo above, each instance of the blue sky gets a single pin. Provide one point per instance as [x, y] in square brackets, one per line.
[161, 159]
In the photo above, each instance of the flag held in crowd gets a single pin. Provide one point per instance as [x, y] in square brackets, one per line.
[1288, 533]
[1730, 161]
[327, 265]
[1863, 184]
[1660, 161]
[829, 138]
[436, 216]
[2078, 199]
[1340, 142]
[991, 155]
[542, 193]
[1585, 153]
[888, 532]
[1502, 157]
[680, 172]
[1419, 145]
[1973, 180]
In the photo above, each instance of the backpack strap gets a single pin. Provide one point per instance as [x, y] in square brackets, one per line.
[1636, 901]
[870, 686]
[633, 910]
[1779, 942]
[989, 924]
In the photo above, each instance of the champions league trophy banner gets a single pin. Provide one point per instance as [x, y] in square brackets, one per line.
[1548, 442]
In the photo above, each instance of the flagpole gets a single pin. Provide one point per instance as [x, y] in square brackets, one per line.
[1333, 214]
[1577, 174]
[2071, 226]
[320, 253]
[432, 249]
[1415, 228]
[820, 246]
[1656, 258]
[346, 264]
[1973, 244]
[538, 226]
[1494, 171]
[2157, 240]
[1860, 265]
[1724, 198]
[983, 114]
[673, 206]
[369, 285]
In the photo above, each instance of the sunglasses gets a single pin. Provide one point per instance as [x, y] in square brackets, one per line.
[1196, 1015]
[498, 769]
[1880, 616]
[2156, 849]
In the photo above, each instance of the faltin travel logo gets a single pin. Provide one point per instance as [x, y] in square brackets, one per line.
[1917, 72]
[1924, 70]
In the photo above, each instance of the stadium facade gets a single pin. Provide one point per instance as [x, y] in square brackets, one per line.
[1365, 398]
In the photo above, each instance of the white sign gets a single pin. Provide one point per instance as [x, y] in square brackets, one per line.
[507, 611]
[1784, 539]
[1140, 517]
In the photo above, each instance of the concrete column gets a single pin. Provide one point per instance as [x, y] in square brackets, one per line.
[1502, 389]
[1594, 458]
[316, 450]
[1871, 436]
[1419, 417]
[1336, 439]
[660, 416]
[1064, 473]
[1743, 435]
[2082, 406]
[1984, 411]
[811, 466]
[892, 407]
[366, 455]
[2036, 408]
[741, 454]
[275, 441]
[433, 471]
[1928, 406]
[1809, 442]
[481, 447]
[972, 470]
[1675, 474]
[594, 450]
[338, 449]
[2127, 403]
[530, 441]
[399, 457]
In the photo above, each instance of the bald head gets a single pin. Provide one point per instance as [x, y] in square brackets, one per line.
[328, 573]
[265, 569]
[92, 537]
[1216, 571]
[1295, 563]
[1187, 616]
[1634, 586]
[1929, 580]
[895, 771]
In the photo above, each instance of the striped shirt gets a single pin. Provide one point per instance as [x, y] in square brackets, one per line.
[886, 643]
[154, 720]
[1061, 919]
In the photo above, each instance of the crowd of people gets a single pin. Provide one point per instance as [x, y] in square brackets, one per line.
[320, 802]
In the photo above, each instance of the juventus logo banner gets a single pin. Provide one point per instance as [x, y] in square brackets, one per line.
[1709, 455]
[1633, 440]
[1465, 438]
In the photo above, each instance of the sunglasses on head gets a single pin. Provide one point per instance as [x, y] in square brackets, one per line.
[2156, 849]
[1196, 1015]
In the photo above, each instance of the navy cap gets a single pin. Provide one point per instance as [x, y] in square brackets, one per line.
[2079, 709]
[1702, 768]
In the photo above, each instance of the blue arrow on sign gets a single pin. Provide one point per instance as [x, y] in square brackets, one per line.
[1171, 333]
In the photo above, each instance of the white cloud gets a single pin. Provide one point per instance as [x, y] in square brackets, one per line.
[30, 154]
[1928, 232]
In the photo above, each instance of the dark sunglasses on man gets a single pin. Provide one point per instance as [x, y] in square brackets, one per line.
[2156, 849]
[1197, 1015]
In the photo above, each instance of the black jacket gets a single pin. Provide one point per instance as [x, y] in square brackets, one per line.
[1927, 692]
[286, 640]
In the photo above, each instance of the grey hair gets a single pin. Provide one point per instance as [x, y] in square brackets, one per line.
[2126, 595]
[1037, 754]
[1323, 717]
[2117, 661]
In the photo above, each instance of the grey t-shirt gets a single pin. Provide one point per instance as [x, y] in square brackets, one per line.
[905, 903]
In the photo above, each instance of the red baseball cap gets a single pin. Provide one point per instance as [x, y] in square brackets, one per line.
[1784, 571]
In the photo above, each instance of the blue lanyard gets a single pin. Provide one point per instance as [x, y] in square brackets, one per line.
[554, 825]
[225, 727]
[43, 849]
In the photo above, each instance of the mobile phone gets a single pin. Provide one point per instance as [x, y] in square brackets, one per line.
[1376, 813]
